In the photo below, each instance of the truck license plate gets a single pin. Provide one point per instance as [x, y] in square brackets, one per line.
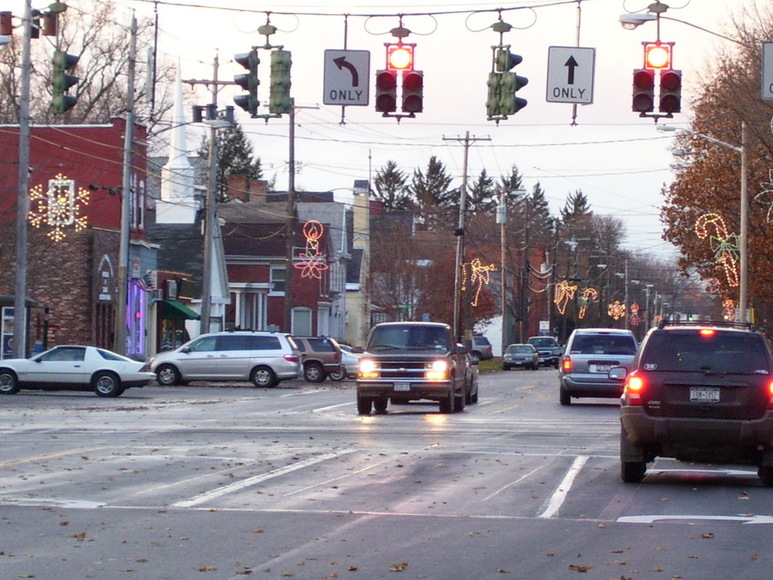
[402, 386]
[704, 394]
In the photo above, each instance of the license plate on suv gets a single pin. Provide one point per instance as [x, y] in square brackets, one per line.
[704, 394]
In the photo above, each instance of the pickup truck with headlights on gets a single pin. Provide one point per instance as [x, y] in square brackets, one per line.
[410, 361]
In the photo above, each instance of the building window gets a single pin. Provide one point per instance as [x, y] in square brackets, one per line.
[278, 276]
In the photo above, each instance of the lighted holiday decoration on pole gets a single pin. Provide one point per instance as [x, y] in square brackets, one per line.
[59, 207]
[724, 244]
[479, 275]
[616, 310]
[588, 295]
[564, 293]
[634, 319]
[312, 263]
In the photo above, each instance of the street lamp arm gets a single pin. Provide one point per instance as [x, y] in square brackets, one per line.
[717, 34]
[669, 128]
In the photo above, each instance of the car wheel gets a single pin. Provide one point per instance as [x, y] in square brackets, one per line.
[460, 400]
[535, 367]
[9, 384]
[564, 397]
[446, 405]
[263, 377]
[506, 367]
[766, 475]
[168, 375]
[364, 405]
[632, 471]
[313, 373]
[106, 384]
[338, 375]
[380, 406]
[474, 398]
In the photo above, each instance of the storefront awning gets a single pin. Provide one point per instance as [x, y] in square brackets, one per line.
[174, 310]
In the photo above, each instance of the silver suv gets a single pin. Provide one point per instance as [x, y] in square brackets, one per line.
[263, 358]
[589, 356]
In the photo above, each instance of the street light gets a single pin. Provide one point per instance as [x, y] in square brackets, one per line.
[743, 241]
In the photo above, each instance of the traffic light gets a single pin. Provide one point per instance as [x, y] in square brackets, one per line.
[386, 91]
[413, 92]
[400, 57]
[643, 90]
[504, 84]
[249, 82]
[279, 98]
[657, 56]
[61, 82]
[670, 99]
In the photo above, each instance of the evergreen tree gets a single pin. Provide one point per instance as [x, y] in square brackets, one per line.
[391, 188]
[483, 195]
[434, 201]
[235, 157]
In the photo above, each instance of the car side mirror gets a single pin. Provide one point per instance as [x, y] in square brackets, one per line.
[185, 349]
[618, 373]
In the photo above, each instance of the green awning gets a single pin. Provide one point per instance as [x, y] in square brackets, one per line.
[174, 310]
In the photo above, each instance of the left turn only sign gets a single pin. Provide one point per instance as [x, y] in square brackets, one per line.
[347, 77]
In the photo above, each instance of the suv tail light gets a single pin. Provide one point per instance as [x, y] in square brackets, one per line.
[291, 358]
[566, 364]
[633, 390]
[770, 395]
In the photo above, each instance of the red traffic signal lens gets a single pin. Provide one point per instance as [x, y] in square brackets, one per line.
[400, 57]
[671, 81]
[413, 81]
[657, 56]
[644, 80]
[386, 80]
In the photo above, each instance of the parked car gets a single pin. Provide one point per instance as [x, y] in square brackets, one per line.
[349, 363]
[520, 355]
[320, 356]
[264, 358]
[481, 348]
[590, 354]
[77, 368]
[548, 349]
[700, 393]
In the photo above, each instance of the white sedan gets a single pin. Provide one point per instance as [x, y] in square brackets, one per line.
[77, 368]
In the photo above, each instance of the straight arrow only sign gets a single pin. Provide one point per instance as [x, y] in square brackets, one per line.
[570, 74]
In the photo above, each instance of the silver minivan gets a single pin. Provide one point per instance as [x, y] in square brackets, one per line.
[589, 356]
[263, 358]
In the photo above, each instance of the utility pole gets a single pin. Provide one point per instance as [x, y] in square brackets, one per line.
[459, 233]
[289, 249]
[22, 203]
[119, 343]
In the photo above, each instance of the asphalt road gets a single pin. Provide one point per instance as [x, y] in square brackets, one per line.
[224, 482]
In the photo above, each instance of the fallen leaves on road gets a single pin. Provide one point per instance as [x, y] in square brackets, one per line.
[398, 567]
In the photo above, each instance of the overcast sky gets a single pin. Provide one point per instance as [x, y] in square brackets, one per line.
[616, 158]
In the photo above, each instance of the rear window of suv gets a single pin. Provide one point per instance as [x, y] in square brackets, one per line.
[710, 351]
[603, 344]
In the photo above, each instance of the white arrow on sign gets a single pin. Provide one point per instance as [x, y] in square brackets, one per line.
[346, 77]
[570, 74]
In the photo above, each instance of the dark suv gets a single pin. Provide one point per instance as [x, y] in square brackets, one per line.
[698, 392]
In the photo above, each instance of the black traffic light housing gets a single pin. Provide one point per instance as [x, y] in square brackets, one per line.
[643, 100]
[249, 82]
[413, 92]
[386, 91]
[670, 98]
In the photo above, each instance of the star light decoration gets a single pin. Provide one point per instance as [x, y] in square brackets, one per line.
[312, 263]
[59, 207]
[564, 293]
[724, 244]
[765, 197]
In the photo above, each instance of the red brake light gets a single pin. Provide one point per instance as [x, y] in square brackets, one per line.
[633, 390]
[707, 332]
[770, 395]
[566, 364]
[291, 358]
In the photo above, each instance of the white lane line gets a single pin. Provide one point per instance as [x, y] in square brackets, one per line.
[759, 519]
[48, 456]
[512, 483]
[250, 481]
[558, 497]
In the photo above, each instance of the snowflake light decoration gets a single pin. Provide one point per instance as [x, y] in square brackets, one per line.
[59, 207]
[616, 310]
[564, 293]
[312, 263]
